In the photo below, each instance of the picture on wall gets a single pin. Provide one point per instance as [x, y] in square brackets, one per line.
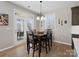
[3, 19]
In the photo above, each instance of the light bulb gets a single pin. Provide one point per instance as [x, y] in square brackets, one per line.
[42, 18]
[38, 18]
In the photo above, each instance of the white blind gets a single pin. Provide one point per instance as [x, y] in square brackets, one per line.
[49, 21]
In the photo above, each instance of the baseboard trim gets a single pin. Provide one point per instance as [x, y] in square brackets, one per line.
[62, 42]
[1, 50]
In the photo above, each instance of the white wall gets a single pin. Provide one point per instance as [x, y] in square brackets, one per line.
[62, 33]
[7, 32]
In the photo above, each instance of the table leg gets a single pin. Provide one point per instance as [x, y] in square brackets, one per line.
[39, 48]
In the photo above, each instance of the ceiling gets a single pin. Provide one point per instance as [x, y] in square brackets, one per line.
[47, 6]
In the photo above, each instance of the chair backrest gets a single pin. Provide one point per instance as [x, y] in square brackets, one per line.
[49, 34]
[31, 36]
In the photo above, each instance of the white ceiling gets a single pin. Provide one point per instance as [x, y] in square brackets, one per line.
[47, 6]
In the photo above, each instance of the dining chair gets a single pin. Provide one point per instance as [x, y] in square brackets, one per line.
[29, 41]
[32, 40]
[45, 42]
[47, 39]
[49, 32]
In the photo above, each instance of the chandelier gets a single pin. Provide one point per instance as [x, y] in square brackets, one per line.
[41, 16]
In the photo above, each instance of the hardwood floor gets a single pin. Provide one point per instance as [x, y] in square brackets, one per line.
[57, 50]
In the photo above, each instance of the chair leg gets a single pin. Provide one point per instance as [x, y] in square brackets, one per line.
[39, 52]
[51, 42]
[46, 47]
[33, 53]
[28, 47]
[49, 45]
[33, 49]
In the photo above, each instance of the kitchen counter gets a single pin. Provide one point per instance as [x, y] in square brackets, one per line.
[76, 45]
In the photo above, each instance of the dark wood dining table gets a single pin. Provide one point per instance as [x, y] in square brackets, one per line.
[39, 35]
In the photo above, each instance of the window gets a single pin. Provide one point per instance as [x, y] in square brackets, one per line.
[20, 25]
[49, 21]
[30, 24]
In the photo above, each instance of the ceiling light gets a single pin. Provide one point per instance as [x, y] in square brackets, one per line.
[40, 17]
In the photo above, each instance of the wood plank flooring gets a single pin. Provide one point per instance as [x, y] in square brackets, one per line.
[57, 50]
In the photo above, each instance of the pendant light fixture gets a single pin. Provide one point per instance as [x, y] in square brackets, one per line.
[41, 16]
